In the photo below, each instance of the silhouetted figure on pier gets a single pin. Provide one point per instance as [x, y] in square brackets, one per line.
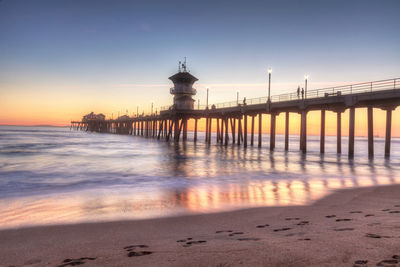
[302, 93]
[244, 101]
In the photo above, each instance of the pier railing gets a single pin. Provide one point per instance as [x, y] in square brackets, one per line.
[315, 93]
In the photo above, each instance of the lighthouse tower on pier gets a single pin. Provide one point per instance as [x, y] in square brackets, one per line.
[183, 88]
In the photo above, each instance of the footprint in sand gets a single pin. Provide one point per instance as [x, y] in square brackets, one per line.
[303, 223]
[304, 239]
[262, 225]
[368, 215]
[373, 236]
[376, 236]
[360, 262]
[74, 262]
[289, 219]
[132, 253]
[386, 210]
[356, 211]
[248, 239]
[196, 242]
[236, 233]
[184, 240]
[394, 211]
[343, 229]
[397, 206]
[282, 229]
[343, 220]
[223, 231]
[391, 262]
[189, 242]
[330, 216]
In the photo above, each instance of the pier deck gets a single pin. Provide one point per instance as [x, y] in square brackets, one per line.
[232, 117]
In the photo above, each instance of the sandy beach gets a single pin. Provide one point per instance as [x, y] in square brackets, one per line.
[355, 227]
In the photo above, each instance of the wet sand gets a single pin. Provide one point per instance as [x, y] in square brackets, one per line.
[355, 227]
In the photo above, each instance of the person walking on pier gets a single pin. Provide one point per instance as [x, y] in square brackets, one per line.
[302, 93]
[298, 92]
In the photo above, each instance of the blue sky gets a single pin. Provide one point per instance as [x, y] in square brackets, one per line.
[114, 47]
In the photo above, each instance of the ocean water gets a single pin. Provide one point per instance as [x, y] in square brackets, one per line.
[53, 175]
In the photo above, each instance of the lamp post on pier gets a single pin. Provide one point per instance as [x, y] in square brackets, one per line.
[305, 85]
[269, 84]
[152, 104]
[237, 97]
[207, 100]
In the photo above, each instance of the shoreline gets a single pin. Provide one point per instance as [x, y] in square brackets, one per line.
[365, 227]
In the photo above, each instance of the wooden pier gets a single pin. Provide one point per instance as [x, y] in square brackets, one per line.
[231, 118]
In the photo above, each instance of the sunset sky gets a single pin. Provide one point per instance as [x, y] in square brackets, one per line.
[62, 59]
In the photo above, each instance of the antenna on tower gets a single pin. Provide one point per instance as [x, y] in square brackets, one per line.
[184, 65]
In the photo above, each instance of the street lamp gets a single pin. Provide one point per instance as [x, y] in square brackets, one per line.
[305, 85]
[152, 108]
[237, 97]
[207, 99]
[137, 111]
[269, 84]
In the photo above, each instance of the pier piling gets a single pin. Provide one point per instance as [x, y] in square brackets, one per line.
[245, 131]
[339, 132]
[259, 129]
[370, 132]
[272, 132]
[388, 131]
[322, 137]
[351, 131]
[287, 130]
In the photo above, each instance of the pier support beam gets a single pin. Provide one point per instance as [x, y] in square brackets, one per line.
[351, 132]
[206, 131]
[221, 139]
[160, 129]
[226, 131]
[388, 131]
[339, 132]
[209, 131]
[303, 132]
[287, 131]
[245, 131]
[370, 132]
[239, 137]
[322, 137]
[176, 130]
[252, 131]
[233, 128]
[195, 130]
[218, 132]
[184, 136]
[259, 129]
[272, 132]
[166, 128]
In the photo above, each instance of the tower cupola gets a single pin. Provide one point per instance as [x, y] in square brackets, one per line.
[183, 88]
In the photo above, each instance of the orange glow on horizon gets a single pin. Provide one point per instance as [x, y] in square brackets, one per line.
[43, 106]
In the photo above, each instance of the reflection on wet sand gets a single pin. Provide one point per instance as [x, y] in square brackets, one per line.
[130, 204]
